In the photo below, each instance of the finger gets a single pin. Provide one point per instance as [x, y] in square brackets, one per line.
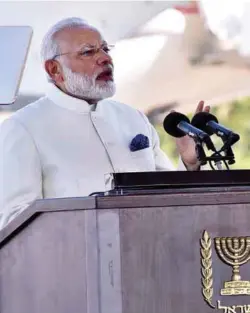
[200, 107]
[207, 108]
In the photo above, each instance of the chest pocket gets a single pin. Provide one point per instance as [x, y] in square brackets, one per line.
[143, 159]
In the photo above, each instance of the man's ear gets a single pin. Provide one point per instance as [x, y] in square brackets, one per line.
[54, 70]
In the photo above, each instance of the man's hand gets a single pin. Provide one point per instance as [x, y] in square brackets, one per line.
[186, 145]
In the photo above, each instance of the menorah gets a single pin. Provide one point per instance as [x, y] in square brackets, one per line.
[235, 252]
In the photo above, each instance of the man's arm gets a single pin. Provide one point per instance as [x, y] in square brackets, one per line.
[162, 162]
[20, 170]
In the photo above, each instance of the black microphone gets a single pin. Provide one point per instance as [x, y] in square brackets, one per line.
[178, 125]
[209, 124]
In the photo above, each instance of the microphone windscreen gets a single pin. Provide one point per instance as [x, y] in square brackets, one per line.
[201, 119]
[171, 122]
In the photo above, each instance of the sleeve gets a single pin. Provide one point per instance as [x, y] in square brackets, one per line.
[162, 162]
[20, 170]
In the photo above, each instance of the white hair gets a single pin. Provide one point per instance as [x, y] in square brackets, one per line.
[85, 87]
[50, 46]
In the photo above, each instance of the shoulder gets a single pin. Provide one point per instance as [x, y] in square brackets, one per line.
[21, 121]
[30, 109]
[13, 133]
[29, 115]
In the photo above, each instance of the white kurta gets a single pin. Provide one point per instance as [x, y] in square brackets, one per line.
[60, 146]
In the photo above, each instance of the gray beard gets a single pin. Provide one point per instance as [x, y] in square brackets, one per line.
[84, 86]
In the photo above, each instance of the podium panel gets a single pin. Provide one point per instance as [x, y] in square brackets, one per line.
[185, 250]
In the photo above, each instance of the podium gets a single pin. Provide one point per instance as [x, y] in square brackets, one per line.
[184, 248]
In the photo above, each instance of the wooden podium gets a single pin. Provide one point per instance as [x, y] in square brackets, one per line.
[173, 250]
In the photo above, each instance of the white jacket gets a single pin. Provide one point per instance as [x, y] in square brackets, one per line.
[60, 146]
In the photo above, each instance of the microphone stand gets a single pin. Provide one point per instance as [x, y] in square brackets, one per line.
[201, 155]
[219, 165]
[227, 148]
[216, 157]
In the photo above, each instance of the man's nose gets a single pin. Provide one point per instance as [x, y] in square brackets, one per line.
[104, 58]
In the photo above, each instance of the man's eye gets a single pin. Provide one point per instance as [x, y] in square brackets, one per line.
[106, 49]
[88, 52]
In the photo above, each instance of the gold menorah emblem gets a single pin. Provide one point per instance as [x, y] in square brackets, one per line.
[234, 252]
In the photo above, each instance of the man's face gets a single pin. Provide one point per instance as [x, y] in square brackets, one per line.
[85, 65]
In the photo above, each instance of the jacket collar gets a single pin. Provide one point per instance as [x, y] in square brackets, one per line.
[60, 98]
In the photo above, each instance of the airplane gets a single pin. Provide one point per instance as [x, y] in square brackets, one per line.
[165, 54]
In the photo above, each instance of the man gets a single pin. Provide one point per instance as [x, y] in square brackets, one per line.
[63, 144]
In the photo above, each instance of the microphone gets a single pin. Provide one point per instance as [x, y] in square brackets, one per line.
[209, 124]
[178, 125]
